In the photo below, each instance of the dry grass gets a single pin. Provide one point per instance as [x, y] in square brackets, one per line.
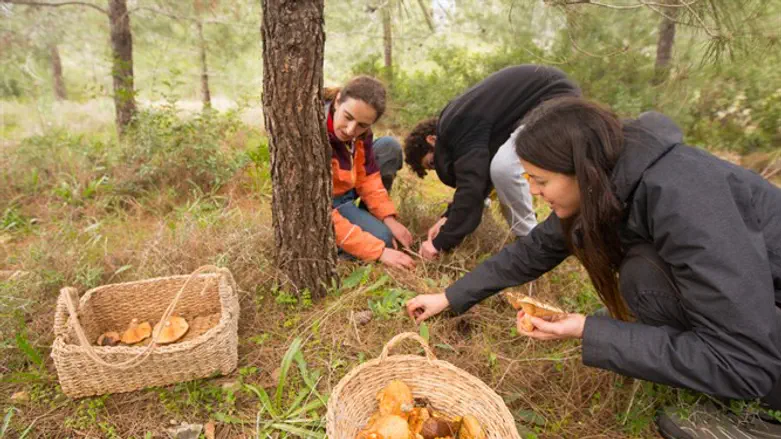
[162, 233]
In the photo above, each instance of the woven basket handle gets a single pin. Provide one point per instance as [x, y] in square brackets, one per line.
[69, 297]
[403, 336]
[61, 312]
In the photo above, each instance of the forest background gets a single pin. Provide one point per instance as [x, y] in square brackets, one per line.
[188, 183]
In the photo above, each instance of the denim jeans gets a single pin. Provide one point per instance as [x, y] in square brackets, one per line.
[362, 218]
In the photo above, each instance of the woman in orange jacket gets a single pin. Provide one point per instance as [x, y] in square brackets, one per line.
[368, 232]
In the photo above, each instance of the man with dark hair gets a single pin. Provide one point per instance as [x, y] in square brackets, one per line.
[470, 146]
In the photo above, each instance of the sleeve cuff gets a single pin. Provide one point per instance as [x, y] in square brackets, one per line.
[457, 305]
[595, 331]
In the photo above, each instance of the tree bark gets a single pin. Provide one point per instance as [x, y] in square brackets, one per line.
[293, 43]
[59, 83]
[206, 94]
[387, 41]
[122, 70]
[664, 45]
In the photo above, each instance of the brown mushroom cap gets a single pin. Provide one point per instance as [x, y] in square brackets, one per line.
[110, 338]
[173, 329]
[395, 399]
[532, 307]
[470, 428]
[136, 332]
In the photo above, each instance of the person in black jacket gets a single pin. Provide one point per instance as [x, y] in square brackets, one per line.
[683, 248]
[470, 146]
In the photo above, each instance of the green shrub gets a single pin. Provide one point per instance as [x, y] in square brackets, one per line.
[164, 150]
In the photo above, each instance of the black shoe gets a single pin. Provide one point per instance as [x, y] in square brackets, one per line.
[707, 421]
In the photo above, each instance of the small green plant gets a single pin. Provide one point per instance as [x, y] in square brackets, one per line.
[199, 396]
[13, 220]
[294, 415]
[389, 302]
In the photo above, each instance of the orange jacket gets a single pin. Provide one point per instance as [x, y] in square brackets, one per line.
[353, 167]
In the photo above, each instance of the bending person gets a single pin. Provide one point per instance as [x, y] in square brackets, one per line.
[470, 146]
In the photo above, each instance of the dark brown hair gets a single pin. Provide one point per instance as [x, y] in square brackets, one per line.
[572, 136]
[364, 88]
[416, 147]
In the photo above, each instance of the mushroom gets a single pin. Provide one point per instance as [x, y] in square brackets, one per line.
[417, 417]
[110, 338]
[535, 308]
[173, 329]
[470, 428]
[387, 427]
[395, 399]
[136, 332]
[438, 428]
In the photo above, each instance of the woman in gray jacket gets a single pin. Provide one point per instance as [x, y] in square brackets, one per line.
[683, 248]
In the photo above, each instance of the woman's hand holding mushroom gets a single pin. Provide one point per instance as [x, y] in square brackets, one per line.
[566, 326]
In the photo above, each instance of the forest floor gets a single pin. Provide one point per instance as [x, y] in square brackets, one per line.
[47, 243]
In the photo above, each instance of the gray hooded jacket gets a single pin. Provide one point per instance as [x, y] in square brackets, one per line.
[718, 227]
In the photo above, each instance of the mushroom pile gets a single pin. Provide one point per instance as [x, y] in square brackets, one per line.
[401, 417]
[172, 330]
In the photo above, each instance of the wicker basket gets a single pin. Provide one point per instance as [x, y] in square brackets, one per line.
[448, 389]
[85, 370]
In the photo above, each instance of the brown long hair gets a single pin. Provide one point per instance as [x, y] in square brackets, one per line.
[572, 136]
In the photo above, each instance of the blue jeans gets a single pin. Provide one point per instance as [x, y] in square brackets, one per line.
[362, 218]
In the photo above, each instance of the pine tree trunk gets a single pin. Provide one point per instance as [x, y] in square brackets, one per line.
[293, 43]
[207, 98]
[122, 70]
[59, 83]
[664, 45]
[387, 41]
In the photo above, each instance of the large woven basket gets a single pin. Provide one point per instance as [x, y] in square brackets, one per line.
[448, 389]
[85, 370]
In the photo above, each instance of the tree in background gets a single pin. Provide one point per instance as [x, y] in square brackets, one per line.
[60, 92]
[122, 70]
[293, 44]
[728, 24]
[121, 54]
[664, 44]
[387, 9]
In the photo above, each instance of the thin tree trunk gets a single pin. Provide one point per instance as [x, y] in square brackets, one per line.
[122, 71]
[207, 98]
[59, 83]
[387, 41]
[664, 45]
[293, 43]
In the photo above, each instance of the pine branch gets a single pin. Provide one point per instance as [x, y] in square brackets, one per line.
[70, 3]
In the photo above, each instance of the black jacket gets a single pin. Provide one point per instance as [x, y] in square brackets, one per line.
[471, 129]
[718, 226]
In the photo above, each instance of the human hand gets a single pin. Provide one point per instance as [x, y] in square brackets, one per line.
[399, 231]
[421, 307]
[434, 230]
[428, 251]
[562, 327]
[396, 259]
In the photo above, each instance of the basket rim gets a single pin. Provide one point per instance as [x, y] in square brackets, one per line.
[60, 344]
[333, 399]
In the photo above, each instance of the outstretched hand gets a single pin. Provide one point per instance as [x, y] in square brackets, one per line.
[421, 307]
[428, 251]
[434, 230]
[396, 259]
[401, 233]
